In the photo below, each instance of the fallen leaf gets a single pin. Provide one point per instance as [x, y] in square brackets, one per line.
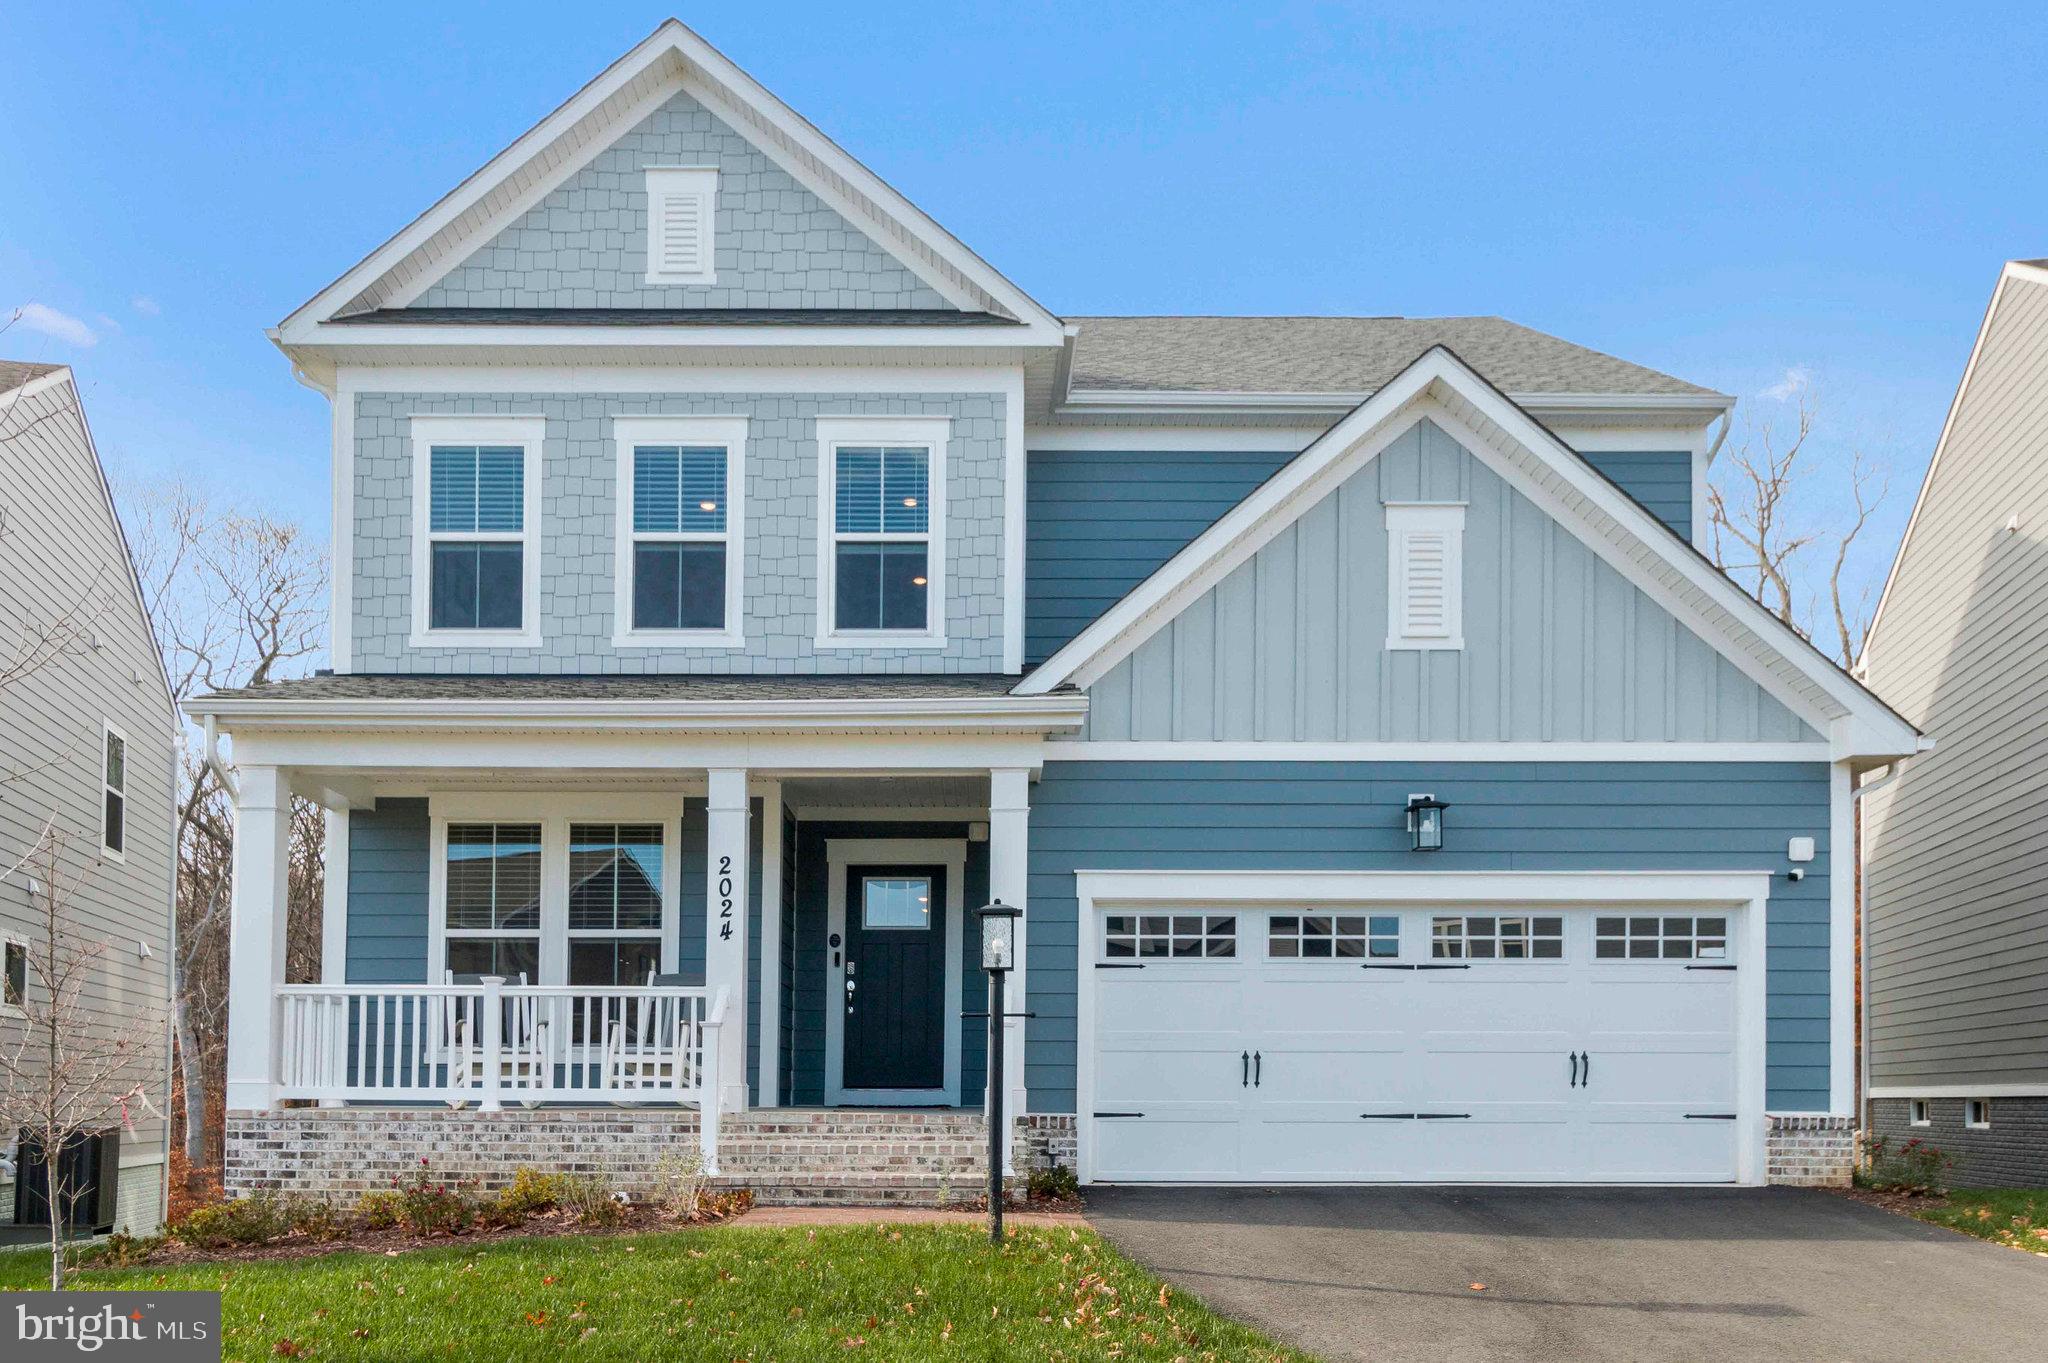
[287, 1348]
[1478, 1287]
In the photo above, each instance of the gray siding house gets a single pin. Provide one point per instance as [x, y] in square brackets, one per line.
[1956, 913]
[738, 581]
[87, 749]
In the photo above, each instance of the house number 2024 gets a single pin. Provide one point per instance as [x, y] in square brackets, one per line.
[725, 899]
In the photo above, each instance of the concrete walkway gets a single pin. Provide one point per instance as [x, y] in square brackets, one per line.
[1476, 1275]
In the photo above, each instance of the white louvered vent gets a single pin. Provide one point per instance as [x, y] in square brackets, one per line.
[1425, 576]
[682, 211]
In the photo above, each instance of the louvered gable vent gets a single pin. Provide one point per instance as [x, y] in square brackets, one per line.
[1425, 577]
[682, 212]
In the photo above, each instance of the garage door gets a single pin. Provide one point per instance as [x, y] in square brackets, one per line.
[1437, 1045]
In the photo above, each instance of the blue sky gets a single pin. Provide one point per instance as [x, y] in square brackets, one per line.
[1733, 194]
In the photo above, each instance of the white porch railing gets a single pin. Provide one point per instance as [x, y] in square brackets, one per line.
[491, 1043]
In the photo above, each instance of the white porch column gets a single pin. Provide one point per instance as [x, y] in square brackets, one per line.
[771, 944]
[725, 926]
[1009, 832]
[263, 821]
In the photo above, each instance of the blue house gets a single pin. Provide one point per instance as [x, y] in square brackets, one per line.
[738, 581]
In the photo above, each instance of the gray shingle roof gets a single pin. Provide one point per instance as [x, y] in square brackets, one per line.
[385, 686]
[679, 317]
[1340, 355]
[14, 373]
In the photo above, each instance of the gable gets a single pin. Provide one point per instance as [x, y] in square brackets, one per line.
[1291, 645]
[778, 245]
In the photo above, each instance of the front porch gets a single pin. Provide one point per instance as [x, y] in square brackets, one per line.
[529, 937]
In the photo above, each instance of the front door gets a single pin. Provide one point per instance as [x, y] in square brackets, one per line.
[895, 980]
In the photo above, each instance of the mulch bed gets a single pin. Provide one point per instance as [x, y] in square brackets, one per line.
[1901, 1204]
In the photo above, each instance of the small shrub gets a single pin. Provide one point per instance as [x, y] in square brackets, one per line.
[317, 1219]
[1915, 1168]
[122, 1250]
[252, 1220]
[591, 1197]
[430, 1207]
[1054, 1183]
[529, 1193]
[680, 1181]
[379, 1210]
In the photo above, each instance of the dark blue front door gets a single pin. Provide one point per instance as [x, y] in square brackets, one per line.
[895, 1032]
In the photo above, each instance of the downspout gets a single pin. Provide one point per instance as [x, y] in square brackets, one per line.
[171, 976]
[1727, 422]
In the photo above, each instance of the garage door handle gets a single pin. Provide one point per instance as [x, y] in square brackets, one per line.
[1258, 1067]
[1585, 1069]
[1244, 1064]
[1575, 1069]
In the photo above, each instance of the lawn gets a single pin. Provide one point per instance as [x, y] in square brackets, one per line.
[731, 1292]
[2008, 1216]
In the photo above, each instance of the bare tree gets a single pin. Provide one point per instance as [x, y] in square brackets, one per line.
[69, 1068]
[236, 600]
[1763, 538]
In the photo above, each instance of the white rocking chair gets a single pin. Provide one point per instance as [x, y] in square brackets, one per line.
[654, 1053]
[522, 1043]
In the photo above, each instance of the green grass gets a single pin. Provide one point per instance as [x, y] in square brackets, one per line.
[2008, 1216]
[879, 1292]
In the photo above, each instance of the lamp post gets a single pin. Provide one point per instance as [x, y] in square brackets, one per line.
[998, 958]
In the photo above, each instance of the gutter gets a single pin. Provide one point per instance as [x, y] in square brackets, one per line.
[1133, 402]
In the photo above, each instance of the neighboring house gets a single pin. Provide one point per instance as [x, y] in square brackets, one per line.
[1956, 909]
[702, 506]
[88, 739]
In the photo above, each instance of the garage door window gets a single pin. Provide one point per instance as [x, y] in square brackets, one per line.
[1642, 937]
[1491, 937]
[1311, 936]
[1183, 936]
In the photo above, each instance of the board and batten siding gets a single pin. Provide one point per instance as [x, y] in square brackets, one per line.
[1525, 816]
[1558, 645]
[1957, 845]
[63, 554]
[1102, 521]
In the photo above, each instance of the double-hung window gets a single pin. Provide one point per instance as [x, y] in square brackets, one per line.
[881, 544]
[680, 561]
[493, 900]
[476, 493]
[114, 794]
[615, 917]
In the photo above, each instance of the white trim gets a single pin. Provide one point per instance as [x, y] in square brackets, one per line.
[554, 811]
[930, 432]
[1694, 590]
[1155, 402]
[1248, 750]
[1407, 524]
[12, 938]
[1173, 439]
[2014, 270]
[334, 908]
[1743, 892]
[530, 434]
[1982, 1123]
[1919, 1112]
[629, 432]
[890, 814]
[698, 185]
[768, 1082]
[1841, 941]
[109, 731]
[1013, 526]
[1959, 1091]
[712, 78]
[342, 532]
[840, 853]
[692, 378]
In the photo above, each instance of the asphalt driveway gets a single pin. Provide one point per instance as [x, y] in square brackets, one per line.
[1584, 1274]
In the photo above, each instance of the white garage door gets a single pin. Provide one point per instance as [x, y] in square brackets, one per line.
[1435, 1045]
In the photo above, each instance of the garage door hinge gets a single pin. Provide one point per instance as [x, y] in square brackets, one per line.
[1432, 965]
[1710, 967]
[1415, 1116]
[1710, 1116]
[1119, 1114]
[1119, 965]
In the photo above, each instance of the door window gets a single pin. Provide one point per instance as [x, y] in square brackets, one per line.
[899, 903]
[1658, 937]
[1496, 937]
[1182, 936]
[1321, 936]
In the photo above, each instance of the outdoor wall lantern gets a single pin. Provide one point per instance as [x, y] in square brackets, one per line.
[1426, 823]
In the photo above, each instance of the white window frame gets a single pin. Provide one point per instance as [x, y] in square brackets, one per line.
[701, 181]
[108, 732]
[1919, 1112]
[554, 811]
[1981, 1105]
[727, 431]
[1403, 520]
[9, 940]
[833, 433]
[529, 433]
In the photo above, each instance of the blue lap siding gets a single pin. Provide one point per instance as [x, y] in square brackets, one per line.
[1660, 479]
[1503, 816]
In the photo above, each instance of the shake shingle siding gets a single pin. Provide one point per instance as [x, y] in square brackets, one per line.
[1957, 943]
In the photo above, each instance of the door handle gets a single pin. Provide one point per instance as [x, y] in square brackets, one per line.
[1575, 1069]
[1585, 1069]
[1258, 1065]
[1244, 1063]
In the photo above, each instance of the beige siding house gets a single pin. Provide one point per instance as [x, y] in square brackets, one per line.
[1956, 856]
[87, 747]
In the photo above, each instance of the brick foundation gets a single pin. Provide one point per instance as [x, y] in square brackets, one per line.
[1810, 1152]
[2011, 1153]
[1048, 1140]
